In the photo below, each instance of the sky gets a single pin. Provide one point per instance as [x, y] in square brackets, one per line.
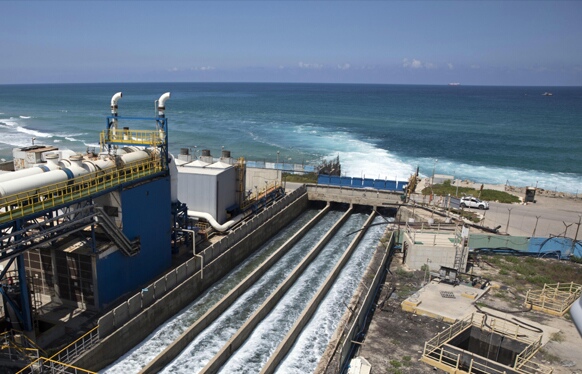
[536, 43]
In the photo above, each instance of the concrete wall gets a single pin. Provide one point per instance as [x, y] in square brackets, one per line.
[257, 177]
[355, 196]
[345, 349]
[132, 321]
[417, 255]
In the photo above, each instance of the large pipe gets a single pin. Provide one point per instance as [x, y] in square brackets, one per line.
[97, 165]
[162, 104]
[40, 180]
[114, 101]
[134, 156]
[39, 169]
[217, 226]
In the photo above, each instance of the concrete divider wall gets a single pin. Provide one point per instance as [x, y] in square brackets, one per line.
[360, 319]
[247, 328]
[118, 335]
[174, 349]
[307, 313]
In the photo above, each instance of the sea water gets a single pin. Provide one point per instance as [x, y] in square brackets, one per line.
[501, 135]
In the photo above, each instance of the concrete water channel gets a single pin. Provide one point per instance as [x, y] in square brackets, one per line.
[211, 348]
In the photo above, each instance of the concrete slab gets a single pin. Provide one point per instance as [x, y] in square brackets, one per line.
[429, 301]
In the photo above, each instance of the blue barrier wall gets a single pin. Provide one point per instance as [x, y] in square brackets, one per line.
[377, 184]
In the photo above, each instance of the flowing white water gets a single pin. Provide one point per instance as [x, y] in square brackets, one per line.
[253, 355]
[210, 341]
[164, 335]
[312, 342]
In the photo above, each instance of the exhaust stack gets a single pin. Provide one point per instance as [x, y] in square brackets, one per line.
[114, 100]
[162, 104]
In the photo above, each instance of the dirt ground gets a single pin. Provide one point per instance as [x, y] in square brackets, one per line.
[395, 338]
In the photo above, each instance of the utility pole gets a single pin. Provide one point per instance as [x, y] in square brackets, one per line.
[536, 226]
[576, 236]
[508, 217]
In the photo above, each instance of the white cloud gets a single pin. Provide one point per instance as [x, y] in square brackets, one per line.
[203, 68]
[450, 65]
[417, 64]
[344, 66]
[304, 65]
[174, 69]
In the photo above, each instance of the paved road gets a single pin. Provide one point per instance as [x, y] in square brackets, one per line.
[550, 214]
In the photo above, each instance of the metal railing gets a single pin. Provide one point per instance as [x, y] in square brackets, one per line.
[152, 138]
[46, 365]
[14, 345]
[46, 197]
[59, 362]
[78, 347]
[259, 194]
[436, 350]
[555, 298]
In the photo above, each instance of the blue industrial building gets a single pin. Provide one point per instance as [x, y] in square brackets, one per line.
[82, 231]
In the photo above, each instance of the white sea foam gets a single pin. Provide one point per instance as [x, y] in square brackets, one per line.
[36, 133]
[363, 159]
[9, 121]
[25, 117]
[565, 182]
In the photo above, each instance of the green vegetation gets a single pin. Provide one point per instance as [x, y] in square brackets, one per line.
[518, 271]
[395, 363]
[557, 337]
[300, 178]
[489, 195]
[468, 214]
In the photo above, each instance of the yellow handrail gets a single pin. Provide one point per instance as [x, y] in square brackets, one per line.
[152, 138]
[39, 199]
[47, 361]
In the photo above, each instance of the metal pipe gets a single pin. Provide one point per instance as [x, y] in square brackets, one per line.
[162, 104]
[114, 101]
[213, 222]
[39, 169]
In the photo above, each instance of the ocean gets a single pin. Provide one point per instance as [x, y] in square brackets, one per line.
[486, 134]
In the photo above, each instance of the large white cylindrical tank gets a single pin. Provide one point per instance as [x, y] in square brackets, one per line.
[134, 156]
[39, 180]
[96, 165]
[39, 169]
